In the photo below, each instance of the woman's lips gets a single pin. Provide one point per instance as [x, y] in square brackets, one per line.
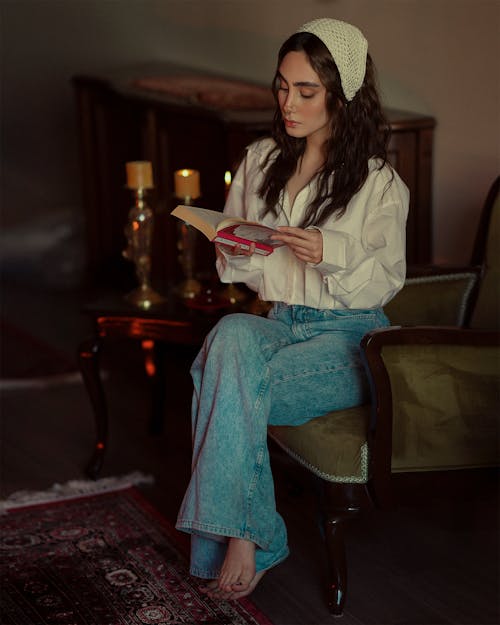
[289, 123]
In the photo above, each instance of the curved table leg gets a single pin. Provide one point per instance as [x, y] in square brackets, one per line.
[88, 358]
[154, 364]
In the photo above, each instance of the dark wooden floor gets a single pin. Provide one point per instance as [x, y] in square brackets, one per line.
[431, 560]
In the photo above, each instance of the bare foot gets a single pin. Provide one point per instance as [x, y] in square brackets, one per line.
[238, 569]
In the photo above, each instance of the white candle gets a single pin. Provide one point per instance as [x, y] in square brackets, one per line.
[139, 175]
[187, 183]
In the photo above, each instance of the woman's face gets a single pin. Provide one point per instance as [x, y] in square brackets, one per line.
[302, 99]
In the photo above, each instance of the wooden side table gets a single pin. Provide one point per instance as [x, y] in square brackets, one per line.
[171, 323]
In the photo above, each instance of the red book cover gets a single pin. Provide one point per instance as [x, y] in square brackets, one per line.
[246, 234]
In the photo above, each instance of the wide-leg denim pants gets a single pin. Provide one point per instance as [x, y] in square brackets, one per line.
[294, 365]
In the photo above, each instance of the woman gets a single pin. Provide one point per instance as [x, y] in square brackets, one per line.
[323, 182]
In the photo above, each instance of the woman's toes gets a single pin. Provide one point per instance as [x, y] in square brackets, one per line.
[243, 583]
[219, 594]
[239, 591]
[226, 581]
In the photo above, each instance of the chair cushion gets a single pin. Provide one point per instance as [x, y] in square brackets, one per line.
[332, 446]
[445, 401]
[437, 299]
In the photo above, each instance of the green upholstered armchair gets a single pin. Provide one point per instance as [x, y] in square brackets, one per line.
[435, 380]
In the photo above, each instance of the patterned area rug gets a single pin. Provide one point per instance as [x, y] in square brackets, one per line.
[107, 559]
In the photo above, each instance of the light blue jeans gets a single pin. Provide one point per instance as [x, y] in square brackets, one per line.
[253, 371]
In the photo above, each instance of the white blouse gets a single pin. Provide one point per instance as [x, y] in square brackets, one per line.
[363, 262]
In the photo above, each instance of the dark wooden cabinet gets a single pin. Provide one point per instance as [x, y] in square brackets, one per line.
[410, 152]
[119, 122]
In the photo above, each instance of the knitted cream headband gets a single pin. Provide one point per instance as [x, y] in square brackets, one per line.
[348, 47]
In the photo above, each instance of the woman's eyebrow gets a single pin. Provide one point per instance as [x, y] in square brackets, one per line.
[306, 83]
[300, 83]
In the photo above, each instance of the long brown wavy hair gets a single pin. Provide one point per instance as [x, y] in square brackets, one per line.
[359, 131]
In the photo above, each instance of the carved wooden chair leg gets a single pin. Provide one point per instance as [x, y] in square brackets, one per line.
[342, 502]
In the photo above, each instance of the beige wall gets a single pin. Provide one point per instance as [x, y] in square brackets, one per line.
[439, 57]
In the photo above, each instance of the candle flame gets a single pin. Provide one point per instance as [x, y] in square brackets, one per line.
[185, 173]
[227, 178]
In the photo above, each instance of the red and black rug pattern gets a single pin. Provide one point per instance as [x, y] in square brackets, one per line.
[108, 559]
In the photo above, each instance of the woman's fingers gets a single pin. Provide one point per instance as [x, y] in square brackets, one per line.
[236, 250]
[307, 245]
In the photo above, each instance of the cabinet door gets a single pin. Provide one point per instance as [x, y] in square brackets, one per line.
[110, 135]
[402, 157]
[409, 153]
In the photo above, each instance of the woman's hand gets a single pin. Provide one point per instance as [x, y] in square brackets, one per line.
[307, 245]
[235, 250]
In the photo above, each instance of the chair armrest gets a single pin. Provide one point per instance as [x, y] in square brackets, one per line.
[402, 362]
[431, 271]
[434, 295]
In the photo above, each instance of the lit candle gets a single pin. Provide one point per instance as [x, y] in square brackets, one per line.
[139, 175]
[227, 181]
[187, 183]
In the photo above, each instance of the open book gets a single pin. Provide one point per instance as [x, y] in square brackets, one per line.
[220, 228]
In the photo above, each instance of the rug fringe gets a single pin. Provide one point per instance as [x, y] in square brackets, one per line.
[73, 489]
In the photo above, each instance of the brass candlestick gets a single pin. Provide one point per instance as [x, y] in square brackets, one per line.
[231, 292]
[187, 189]
[139, 233]
[189, 287]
